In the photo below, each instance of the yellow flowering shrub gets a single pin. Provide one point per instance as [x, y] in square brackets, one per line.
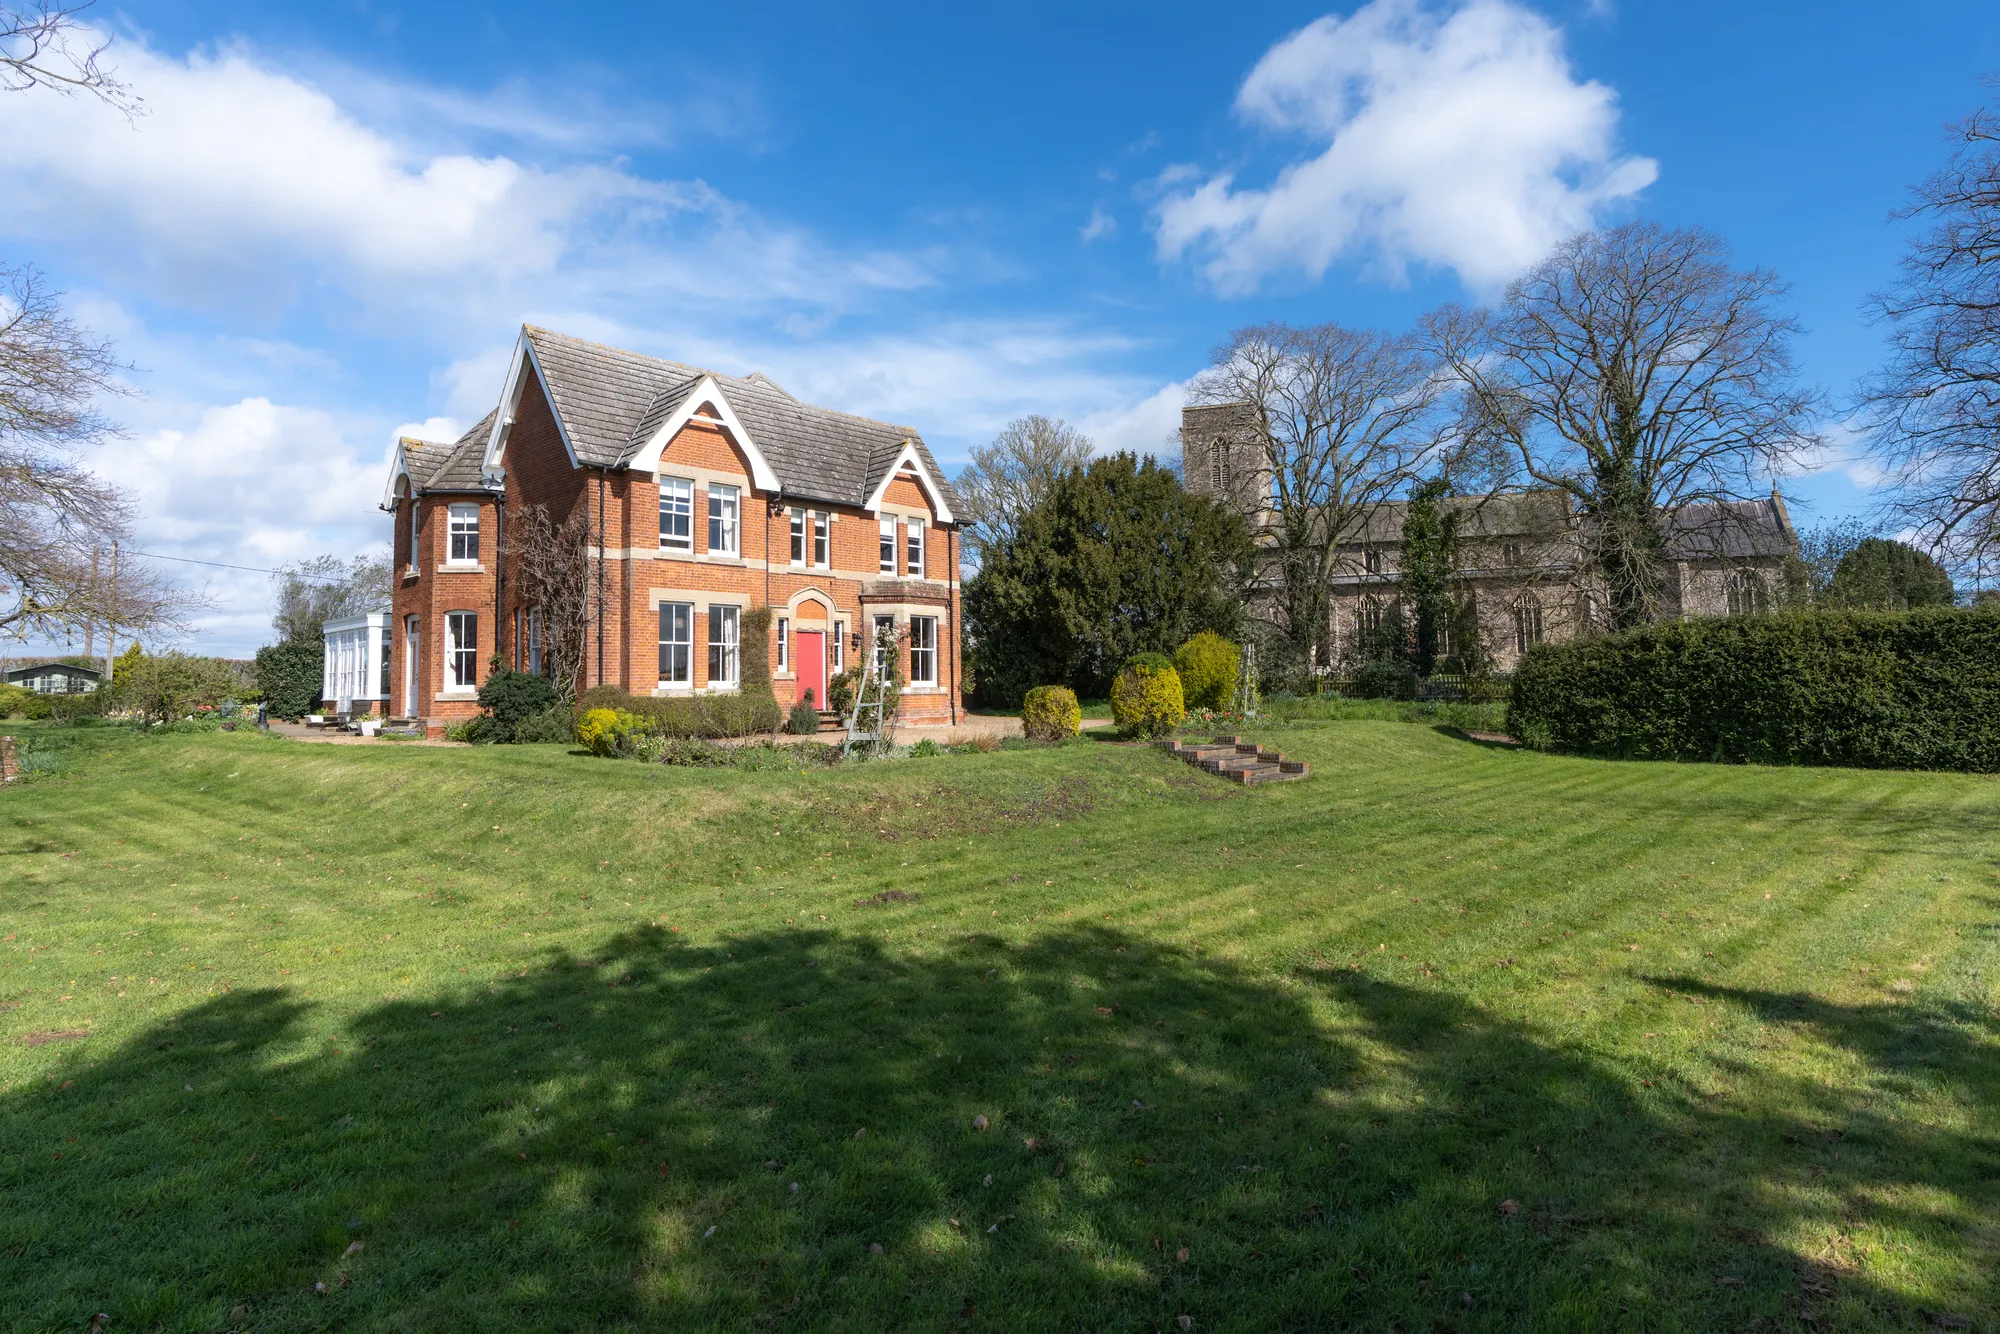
[1146, 698]
[1207, 665]
[1051, 713]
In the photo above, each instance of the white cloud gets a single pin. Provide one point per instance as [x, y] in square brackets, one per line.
[246, 184]
[1149, 426]
[252, 483]
[1460, 140]
[1843, 448]
[1101, 224]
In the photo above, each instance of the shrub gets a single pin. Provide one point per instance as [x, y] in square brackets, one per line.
[553, 724]
[161, 687]
[1385, 678]
[1207, 665]
[1146, 698]
[926, 748]
[689, 715]
[601, 731]
[1905, 690]
[16, 700]
[1051, 713]
[288, 676]
[804, 719]
[509, 698]
[754, 650]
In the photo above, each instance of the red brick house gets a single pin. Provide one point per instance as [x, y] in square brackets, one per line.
[707, 495]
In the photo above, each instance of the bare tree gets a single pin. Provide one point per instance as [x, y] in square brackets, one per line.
[43, 45]
[312, 592]
[1333, 423]
[553, 570]
[1636, 371]
[1935, 409]
[1009, 477]
[58, 519]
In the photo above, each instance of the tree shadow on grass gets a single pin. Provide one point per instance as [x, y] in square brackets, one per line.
[613, 1143]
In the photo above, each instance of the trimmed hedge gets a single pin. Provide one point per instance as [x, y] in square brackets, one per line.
[1871, 690]
[707, 716]
[1051, 713]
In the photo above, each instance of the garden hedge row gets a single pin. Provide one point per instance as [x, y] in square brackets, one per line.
[706, 716]
[1876, 690]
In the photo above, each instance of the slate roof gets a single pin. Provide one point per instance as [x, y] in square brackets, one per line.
[1732, 530]
[611, 401]
[435, 466]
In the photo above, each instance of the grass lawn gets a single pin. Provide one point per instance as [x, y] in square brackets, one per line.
[1447, 1037]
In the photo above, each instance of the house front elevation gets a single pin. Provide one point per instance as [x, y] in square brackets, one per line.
[703, 496]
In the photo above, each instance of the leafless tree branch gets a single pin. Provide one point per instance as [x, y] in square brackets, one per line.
[1935, 409]
[1341, 420]
[1637, 372]
[43, 45]
[553, 572]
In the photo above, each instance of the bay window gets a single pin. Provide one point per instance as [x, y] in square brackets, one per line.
[676, 642]
[676, 514]
[885, 643]
[722, 516]
[723, 631]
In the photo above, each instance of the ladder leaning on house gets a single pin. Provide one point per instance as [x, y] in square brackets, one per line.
[864, 723]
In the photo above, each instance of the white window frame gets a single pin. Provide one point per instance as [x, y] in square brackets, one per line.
[382, 680]
[888, 544]
[822, 542]
[913, 555]
[416, 534]
[923, 640]
[677, 654]
[725, 514]
[798, 537]
[839, 647]
[412, 648]
[784, 644]
[725, 645]
[677, 513]
[875, 646]
[535, 640]
[463, 535]
[459, 654]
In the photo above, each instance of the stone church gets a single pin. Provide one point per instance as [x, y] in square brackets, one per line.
[1523, 577]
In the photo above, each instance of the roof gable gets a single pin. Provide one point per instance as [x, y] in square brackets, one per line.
[612, 407]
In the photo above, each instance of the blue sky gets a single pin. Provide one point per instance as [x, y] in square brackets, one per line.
[332, 218]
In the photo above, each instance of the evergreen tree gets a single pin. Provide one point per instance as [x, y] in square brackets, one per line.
[1884, 575]
[1430, 563]
[1116, 559]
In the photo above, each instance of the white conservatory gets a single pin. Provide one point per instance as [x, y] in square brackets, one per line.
[356, 674]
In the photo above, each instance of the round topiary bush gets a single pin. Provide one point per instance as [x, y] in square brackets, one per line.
[511, 698]
[1146, 698]
[1207, 666]
[1051, 713]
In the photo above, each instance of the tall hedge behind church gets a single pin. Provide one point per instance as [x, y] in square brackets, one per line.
[1875, 690]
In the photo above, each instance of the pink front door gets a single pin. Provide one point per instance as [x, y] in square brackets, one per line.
[811, 649]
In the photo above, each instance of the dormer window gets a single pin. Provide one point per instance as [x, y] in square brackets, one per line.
[464, 535]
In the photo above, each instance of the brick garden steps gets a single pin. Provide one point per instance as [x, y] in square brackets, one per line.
[1237, 760]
